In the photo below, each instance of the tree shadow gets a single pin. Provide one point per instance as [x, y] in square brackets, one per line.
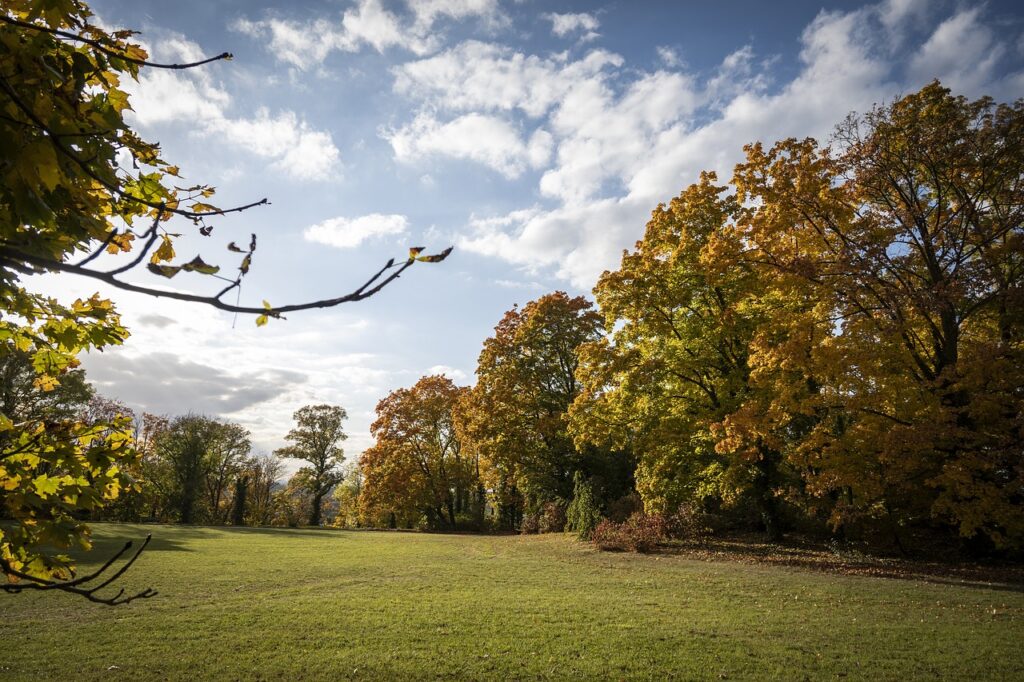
[1008, 578]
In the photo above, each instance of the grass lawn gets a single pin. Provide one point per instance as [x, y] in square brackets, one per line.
[311, 604]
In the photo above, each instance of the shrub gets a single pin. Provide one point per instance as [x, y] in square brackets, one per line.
[552, 517]
[689, 522]
[582, 516]
[624, 507]
[530, 524]
[639, 533]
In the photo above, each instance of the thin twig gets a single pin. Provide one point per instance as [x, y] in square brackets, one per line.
[113, 53]
[11, 257]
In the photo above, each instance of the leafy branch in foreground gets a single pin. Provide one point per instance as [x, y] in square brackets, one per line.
[75, 181]
[81, 586]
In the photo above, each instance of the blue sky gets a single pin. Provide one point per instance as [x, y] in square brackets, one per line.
[534, 137]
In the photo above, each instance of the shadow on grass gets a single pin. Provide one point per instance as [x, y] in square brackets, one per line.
[746, 550]
[169, 536]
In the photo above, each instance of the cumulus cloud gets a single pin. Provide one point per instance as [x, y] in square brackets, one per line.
[962, 52]
[479, 76]
[284, 139]
[288, 141]
[487, 140]
[306, 44]
[622, 141]
[564, 24]
[347, 233]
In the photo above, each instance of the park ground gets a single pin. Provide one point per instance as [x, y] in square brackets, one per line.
[325, 604]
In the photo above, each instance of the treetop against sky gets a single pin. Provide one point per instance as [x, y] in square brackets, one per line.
[536, 138]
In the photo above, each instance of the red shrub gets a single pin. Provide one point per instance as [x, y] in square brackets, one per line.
[639, 533]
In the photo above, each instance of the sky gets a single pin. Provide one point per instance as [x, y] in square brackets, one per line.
[534, 137]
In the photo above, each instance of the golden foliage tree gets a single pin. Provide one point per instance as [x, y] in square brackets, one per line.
[417, 466]
[840, 328]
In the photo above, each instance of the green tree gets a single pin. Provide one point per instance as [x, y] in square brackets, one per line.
[583, 514]
[315, 439]
[262, 473]
[22, 399]
[347, 494]
[239, 499]
[516, 415]
[64, 201]
[226, 452]
[184, 447]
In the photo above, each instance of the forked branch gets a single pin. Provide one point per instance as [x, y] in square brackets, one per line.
[86, 585]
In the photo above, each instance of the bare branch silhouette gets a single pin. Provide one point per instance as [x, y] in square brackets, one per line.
[80, 586]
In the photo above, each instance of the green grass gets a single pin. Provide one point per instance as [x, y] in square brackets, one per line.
[308, 604]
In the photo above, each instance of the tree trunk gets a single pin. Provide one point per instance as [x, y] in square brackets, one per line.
[314, 517]
[451, 511]
[241, 492]
[764, 484]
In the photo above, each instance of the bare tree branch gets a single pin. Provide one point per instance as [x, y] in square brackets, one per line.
[11, 257]
[79, 586]
[106, 50]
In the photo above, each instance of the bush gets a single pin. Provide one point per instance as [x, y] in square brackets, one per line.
[639, 533]
[530, 524]
[624, 507]
[690, 522]
[552, 517]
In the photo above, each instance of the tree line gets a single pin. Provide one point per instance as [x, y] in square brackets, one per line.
[191, 469]
[831, 340]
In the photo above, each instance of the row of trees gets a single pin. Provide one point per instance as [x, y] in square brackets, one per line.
[834, 338]
[495, 454]
[191, 468]
[194, 469]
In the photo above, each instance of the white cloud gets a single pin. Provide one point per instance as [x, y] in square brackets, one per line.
[962, 52]
[669, 56]
[538, 150]
[427, 12]
[162, 96]
[295, 148]
[895, 14]
[475, 76]
[456, 375]
[487, 140]
[625, 141]
[564, 24]
[347, 233]
[285, 139]
[306, 44]
[605, 137]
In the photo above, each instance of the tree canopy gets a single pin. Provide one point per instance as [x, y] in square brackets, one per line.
[315, 439]
[838, 330]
